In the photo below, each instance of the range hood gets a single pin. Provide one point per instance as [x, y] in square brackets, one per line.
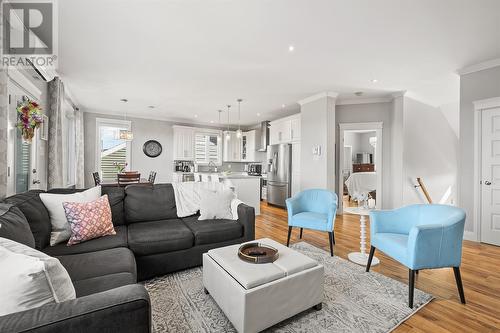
[264, 135]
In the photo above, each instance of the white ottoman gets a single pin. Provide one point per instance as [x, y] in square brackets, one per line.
[257, 296]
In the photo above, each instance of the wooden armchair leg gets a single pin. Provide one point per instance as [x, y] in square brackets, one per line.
[300, 236]
[370, 257]
[460, 287]
[289, 233]
[411, 287]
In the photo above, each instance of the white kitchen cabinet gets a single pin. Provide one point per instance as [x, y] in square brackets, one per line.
[285, 130]
[232, 147]
[295, 184]
[247, 189]
[183, 143]
[295, 128]
[296, 157]
[296, 168]
[248, 146]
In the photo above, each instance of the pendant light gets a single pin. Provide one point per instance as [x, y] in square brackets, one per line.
[228, 135]
[126, 134]
[238, 132]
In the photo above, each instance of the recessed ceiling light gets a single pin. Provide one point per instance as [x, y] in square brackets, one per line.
[196, 116]
[258, 114]
[358, 93]
[291, 48]
[124, 100]
[374, 81]
[211, 121]
[283, 106]
[151, 106]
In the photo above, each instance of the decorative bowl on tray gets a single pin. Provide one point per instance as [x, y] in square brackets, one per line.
[257, 253]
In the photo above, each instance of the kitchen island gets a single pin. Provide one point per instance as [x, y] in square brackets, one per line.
[246, 187]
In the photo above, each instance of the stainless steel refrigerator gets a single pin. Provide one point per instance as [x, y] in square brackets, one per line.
[279, 167]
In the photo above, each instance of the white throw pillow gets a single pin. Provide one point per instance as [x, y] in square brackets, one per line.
[61, 230]
[30, 278]
[216, 205]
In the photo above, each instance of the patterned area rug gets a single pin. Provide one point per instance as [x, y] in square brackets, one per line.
[355, 301]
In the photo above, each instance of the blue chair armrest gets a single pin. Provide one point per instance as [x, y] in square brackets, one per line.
[332, 212]
[292, 206]
[434, 246]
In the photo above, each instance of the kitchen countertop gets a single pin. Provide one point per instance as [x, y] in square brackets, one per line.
[222, 175]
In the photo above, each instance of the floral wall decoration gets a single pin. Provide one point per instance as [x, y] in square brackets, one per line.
[30, 117]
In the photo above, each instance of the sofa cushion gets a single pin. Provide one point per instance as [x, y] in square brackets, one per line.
[61, 230]
[87, 269]
[213, 231]
[116, 196]
[30, 278]
[37, 215]
[159, 237]
[149, 203]
[102, 283]
[14, 226]
[97, 244]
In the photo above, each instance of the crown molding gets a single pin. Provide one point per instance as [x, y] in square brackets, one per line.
[398, 94]
[488, 103]
[479, 67]
[318, 96]
[364, 100]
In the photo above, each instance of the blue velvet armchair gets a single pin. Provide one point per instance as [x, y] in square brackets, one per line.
[313, 209]
[420, 237]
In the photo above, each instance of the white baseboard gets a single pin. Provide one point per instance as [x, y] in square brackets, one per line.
[471, 236]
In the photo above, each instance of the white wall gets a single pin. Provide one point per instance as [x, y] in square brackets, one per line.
[374, 112]
[430, 149]
[474, 86]
[318, 128]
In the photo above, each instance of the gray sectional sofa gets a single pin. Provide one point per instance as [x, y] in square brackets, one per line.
[150, 241]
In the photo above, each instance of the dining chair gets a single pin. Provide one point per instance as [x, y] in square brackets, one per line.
[420, 237]
[214, 178]
[197, 177]
[152, 177]
[97, 178]
[313, 209]
[125, 179]
[204, 177]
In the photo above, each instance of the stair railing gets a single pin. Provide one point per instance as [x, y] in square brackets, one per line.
[424, 189]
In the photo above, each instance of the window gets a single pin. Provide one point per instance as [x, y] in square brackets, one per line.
[207, 148]
[110, 150]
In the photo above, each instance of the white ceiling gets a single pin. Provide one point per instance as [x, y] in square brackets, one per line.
[192, 57]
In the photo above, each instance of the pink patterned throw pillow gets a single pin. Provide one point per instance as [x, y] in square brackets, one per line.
[89, 220]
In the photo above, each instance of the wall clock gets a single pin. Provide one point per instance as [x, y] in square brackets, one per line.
[152, 148]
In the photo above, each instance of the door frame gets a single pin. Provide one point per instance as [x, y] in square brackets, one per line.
[378, 127]
[17, 80]
[479, 107]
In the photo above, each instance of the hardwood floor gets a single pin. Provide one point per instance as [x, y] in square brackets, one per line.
[480, 275]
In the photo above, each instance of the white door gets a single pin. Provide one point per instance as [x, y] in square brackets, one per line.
[22, 156]
[490, 180]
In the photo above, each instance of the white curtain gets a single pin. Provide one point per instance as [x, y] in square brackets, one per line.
[57, 158]
[4, 107]
[79, 139]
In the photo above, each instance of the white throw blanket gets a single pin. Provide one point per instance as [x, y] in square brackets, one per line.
[188, 197]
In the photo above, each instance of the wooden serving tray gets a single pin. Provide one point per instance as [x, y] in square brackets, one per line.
[258, 253]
